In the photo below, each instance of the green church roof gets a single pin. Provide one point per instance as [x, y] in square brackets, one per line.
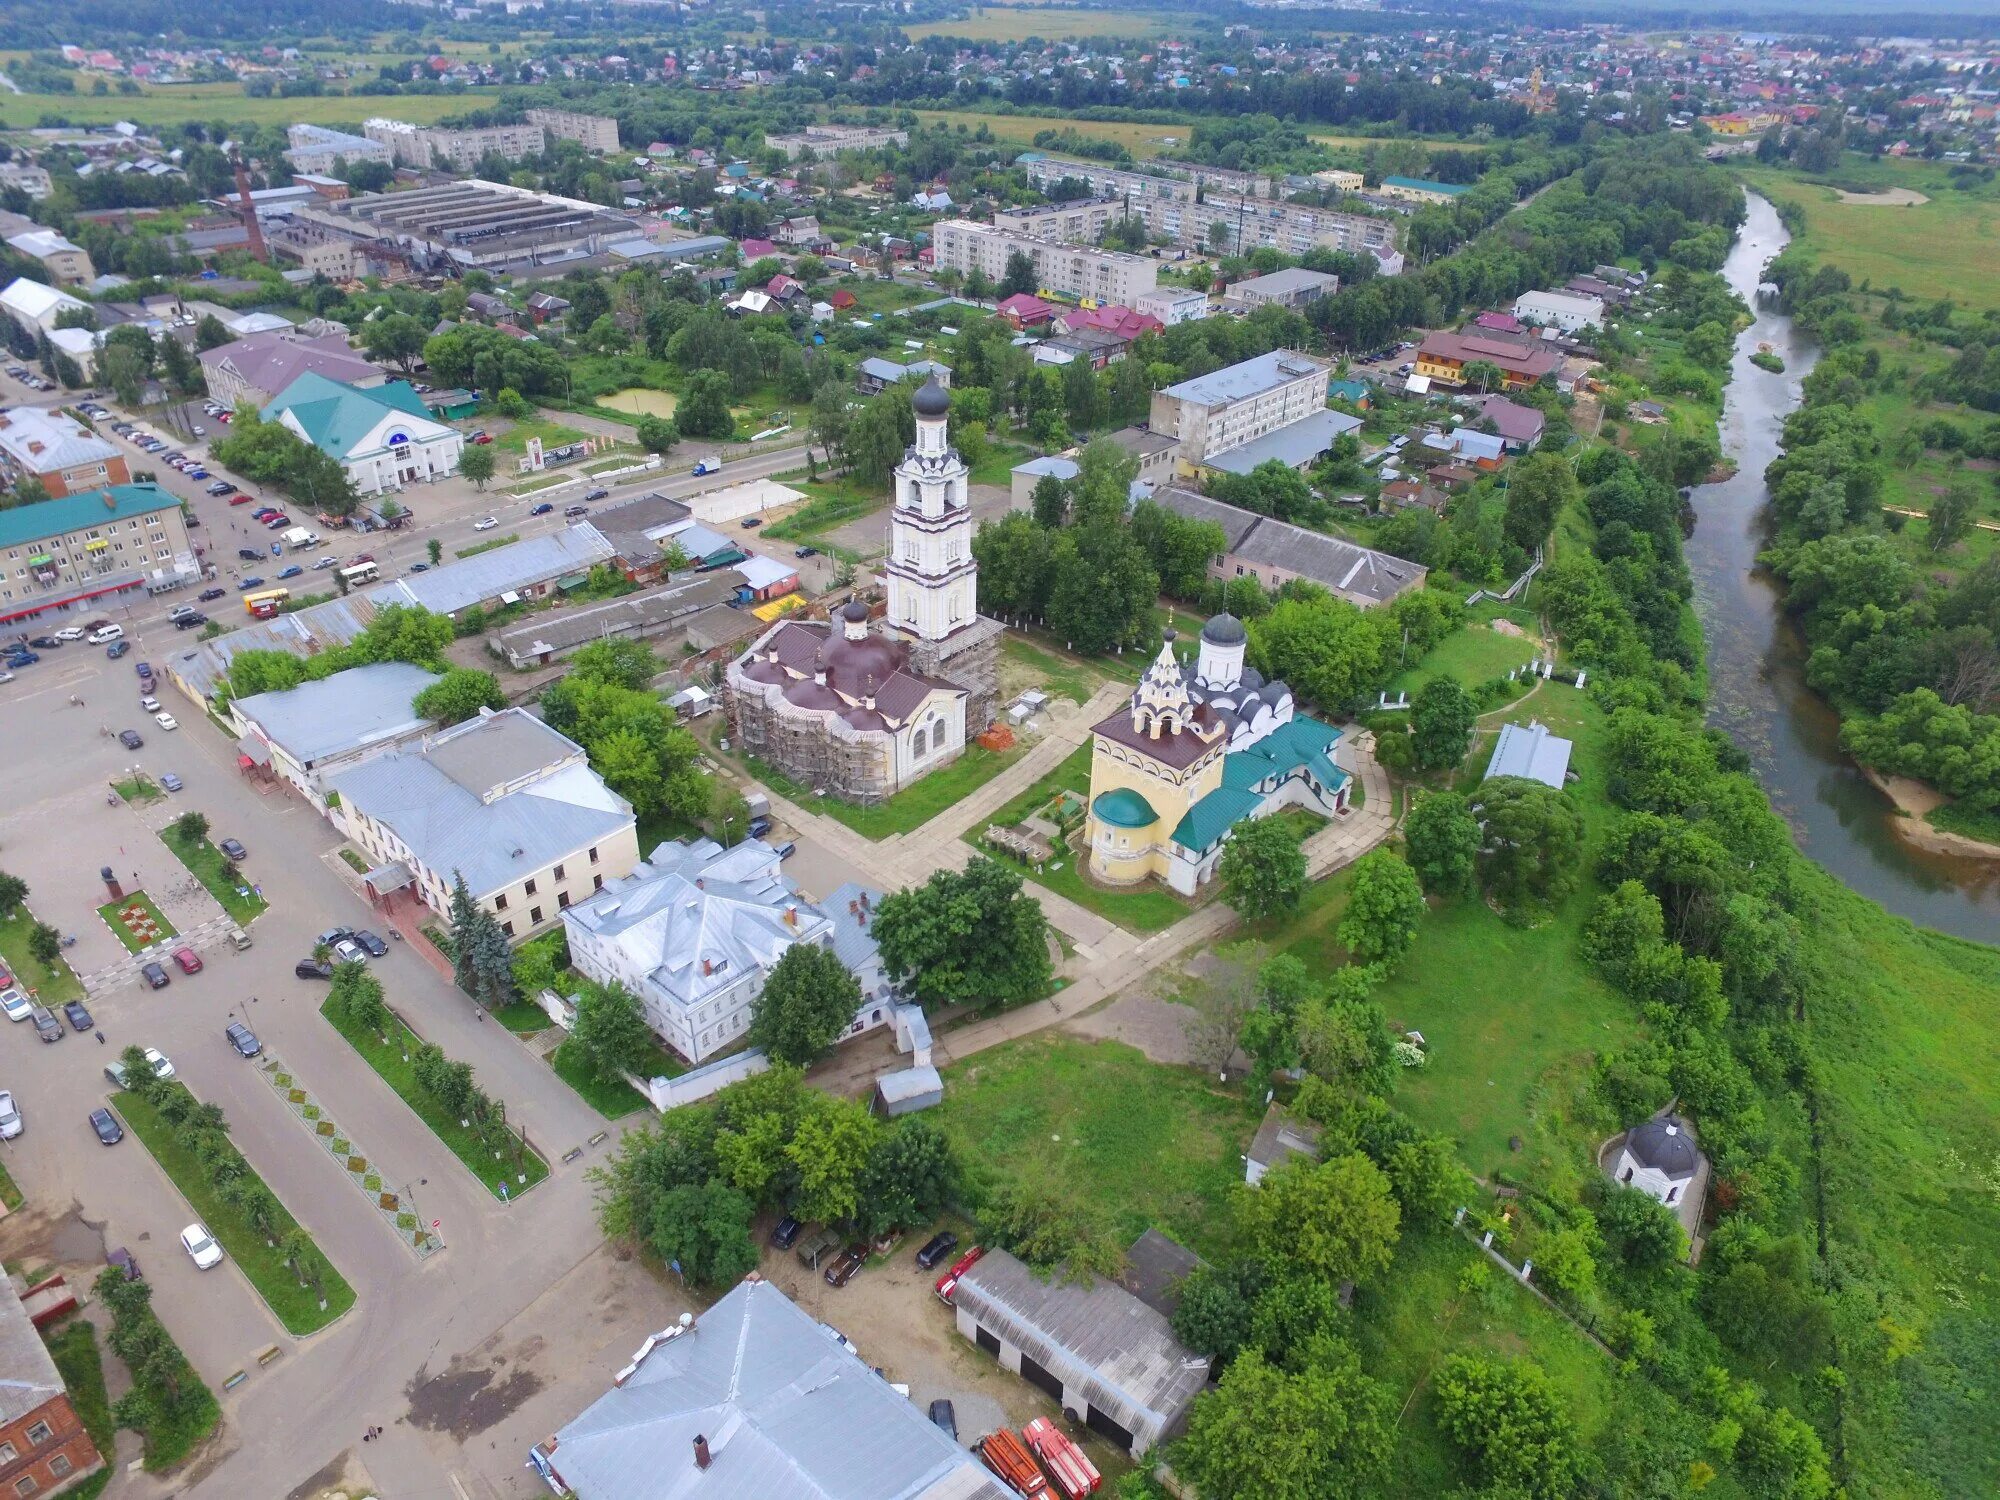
[1124, 808]
[336, 415]
[1209, 819]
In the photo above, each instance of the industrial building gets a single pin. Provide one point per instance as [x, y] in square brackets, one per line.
[473, 223]
[1071, 271]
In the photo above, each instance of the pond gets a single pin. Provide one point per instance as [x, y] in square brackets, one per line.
[641, 402]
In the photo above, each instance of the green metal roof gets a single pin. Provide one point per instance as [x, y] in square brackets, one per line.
[336, 416]
[1124, 808]
[32, 523]
[1209, 819]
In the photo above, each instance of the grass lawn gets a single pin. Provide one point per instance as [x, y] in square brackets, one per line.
[73, 1346]
[1024, 666]
[909, 808]
[831, 504]
[616, 1099]
[996, 464]
[1073, 775]
[1140, 140]
[553, 434]
[391, 1061]
[488, 545]
[205, 862]
[297, 1306]
[52, 986]
[523, 1018]
[1155, 1146]
[139, 789]
[1473, 654]
[10, 1191]
[178, 104]
[111, 912]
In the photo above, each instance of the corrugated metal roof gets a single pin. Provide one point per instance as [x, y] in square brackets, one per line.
[1240, 382]
[33, 523]
[350, 709]
[788, 1413]
[1530, 750]
[509, 569]
[336, 416]
[1294, 445]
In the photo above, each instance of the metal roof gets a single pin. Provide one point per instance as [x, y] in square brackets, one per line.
[1098, 1339]
[33, 523]
[336, 416]
[29, 1379]
[631, 614]
[1530, 751]
[1294, 445]
[1250, 378]
[786, 1410]
[304, 632]
[42, 441]
[349, 710]
[509, 569]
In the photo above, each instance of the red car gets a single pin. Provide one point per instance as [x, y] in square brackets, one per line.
[188, 959]
[240, 498]
[482, 437]
[948, 1282]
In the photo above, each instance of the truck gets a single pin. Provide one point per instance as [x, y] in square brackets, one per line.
[815, 1249]
[298, 538]
[1073, 1475]
[1008, 1457]
[709, 465]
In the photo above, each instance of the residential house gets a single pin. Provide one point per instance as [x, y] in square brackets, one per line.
[57, 450]
[1125, 322]
[1518, 427]
[1024, 310]
[544, 306]
[501, 800]
[1279, 1138]
[1443, 357]
[875, 374]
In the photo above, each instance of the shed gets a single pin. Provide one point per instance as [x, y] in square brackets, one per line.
[1278, 1140]
[1100, 1351]
[1532, 752]
[907, 1091]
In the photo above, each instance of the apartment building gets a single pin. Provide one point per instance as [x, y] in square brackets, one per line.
[598, 133]
[56, 449]
[317, 249]
[828, 140]
[44, 1449]
[1273, 406]
[1087, 275]
[316, 149]
[66, 262]
[1081, 221]
[1173, 304]
[425, 146]
[87, 549]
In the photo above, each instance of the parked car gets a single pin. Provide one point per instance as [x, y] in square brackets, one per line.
[144, 670]
[806, 552]
[323, 564]
[188, 959]
[333, 935]
[221, 487]
[243, 1039]
[571, 512]
[850, 1261]
[46, 1024]
[291, 571]
[943, 1415]
[16, 1004]
[148, 702]
[155, 1059]
[750, 521]
[248, 554]
[46, 643]
[166, 720]
[374, 946]
[74, 633]
[936, 1248]
[77, 1015]
[129, 738]
[201, 1248]
[785, 850]
[10, 1117]
[109, 1131]
[155, 975]
[311, 968]
[786, 1233]
[816, 1248]
[170, 781]
[241, 497]
[234, 849]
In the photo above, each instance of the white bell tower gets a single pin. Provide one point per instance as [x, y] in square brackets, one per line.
[933, 580]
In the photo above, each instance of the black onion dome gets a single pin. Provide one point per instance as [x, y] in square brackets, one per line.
[1223, 630]
[931, 399]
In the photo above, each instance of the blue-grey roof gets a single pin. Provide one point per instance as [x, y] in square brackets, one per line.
[910, 1089]
[786, 1410]
[508, 569]
[698, 541]
[1531, 751]
[1295, 445]
[1240, 382]
[495, 799]
[1063, 468]
[853, 939]
[304, 632]
[882, 369]
[351, 709]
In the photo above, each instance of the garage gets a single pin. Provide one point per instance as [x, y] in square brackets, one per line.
[1107, 1426]
[1033, 1372]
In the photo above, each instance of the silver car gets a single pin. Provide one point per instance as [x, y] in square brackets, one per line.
[10, 1117]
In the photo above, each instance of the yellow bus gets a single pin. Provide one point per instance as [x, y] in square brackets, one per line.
[264, 603]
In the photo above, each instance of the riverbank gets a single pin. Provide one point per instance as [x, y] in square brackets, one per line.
[1915, 802]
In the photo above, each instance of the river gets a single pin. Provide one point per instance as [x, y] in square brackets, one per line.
[1757, 690]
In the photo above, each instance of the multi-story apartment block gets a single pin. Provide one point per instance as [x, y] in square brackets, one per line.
[427, 146]
[1095, 276]
[315, 148]
[1080, 221]
[828, 140]
[59, 451]
[66, 262]
[1224, 410]
[84, 550]
[597, 133]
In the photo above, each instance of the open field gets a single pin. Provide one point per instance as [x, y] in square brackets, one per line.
[177, 104]
[1929, 250]
[1140, 140]
[995, 23]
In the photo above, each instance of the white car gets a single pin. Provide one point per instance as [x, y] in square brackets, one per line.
[72, 633]
[10, 1117]
[105, 633]
[166, 721]
[349, 952]
[17, 1005]
[485, 523]
[150, 704]
[201, 1248]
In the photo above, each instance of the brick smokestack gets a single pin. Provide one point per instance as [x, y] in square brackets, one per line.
[249, 209]
[701, 1458]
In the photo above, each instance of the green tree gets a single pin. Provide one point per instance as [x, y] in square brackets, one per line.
[1511, 1425]
[1640, 1229]
[1531, 845]
[829, 1151]
[1019, 276]
[1050, 502]
[44, 945]
[476, 464]
[210, 334]
[658, 434]
[966, 937]
[13, 891]
[704, 1229]
[625, 663]
[1442, 717]
[1213, 1314]
[611, 1031]
[1951, 516]
[1625, 920]
[1384, 906]
[1263, 868]
[434, 550]
[910, 1178]
[704, 407]
[1337, 1220]
[1539, 487]
[397, 339]
[463, 913]
[1442, 838]
[807, 1003]
[1323, 1432]
[459, 695]
[1327, 649]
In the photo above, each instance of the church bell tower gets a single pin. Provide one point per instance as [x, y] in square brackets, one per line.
[933, 580]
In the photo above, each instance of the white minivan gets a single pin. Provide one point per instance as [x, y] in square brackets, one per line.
[105, 633]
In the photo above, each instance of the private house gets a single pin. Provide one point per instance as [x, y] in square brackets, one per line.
[753, 1400]
[502, 800]
[545, 306]
[1463, 445]
[1024, 310]
[1096, 347]
[44, 1449]
[1274, 552]
[1443, 358]
[319, 729]
[875, 374]
[1126, 323]
[54, 448]
[382, 436]
[694, 929]
[251, 371]
[1532, 752]
[1096, 1348]
[1518, 427]
[1658, 1158]
[1279, 1138]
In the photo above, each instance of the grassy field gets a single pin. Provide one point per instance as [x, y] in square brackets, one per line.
[52, 986]
[1473, 655]
[996, 23]
[616, 1099]
[1030, 666]
[109, 912]
[1141, 140]
[553, 435]
[1155, 1146]
[73, 1346]
[1929, 249]
[205, 862]
[908, 808]
[390, 1061]
[297, 1307]
[178, 104]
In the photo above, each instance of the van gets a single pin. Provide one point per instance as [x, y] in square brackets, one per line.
[105, 633]
[239, 939]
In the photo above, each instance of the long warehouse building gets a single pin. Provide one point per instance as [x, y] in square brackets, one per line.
[475, 223]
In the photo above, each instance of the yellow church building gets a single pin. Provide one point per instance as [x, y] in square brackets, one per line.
[1198, 750]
